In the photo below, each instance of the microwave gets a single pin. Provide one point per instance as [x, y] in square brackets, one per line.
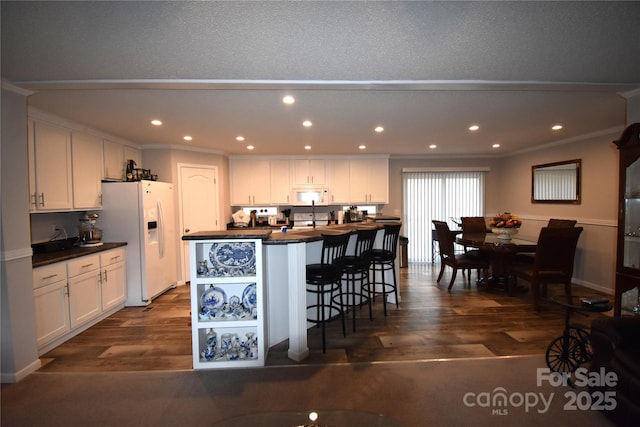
[305, 196]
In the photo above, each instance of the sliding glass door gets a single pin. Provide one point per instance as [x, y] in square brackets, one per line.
[444, 196]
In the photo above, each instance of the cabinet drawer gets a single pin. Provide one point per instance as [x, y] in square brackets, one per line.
[83, 265]
[111, 257]
[43, 276]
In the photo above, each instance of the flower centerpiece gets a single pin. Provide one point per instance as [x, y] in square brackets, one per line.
[505, 225]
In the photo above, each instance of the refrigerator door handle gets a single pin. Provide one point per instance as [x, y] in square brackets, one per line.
[160, 230]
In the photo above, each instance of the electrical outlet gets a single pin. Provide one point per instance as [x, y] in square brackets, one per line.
[54, 228]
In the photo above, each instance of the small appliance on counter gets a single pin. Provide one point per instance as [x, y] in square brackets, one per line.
[89, 236]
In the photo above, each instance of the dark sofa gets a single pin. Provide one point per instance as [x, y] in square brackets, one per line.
[616, 348]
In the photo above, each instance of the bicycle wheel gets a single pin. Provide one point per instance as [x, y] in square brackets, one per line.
[585, 337]
[565, 354]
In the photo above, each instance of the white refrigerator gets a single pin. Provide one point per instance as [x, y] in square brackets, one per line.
[142, 214]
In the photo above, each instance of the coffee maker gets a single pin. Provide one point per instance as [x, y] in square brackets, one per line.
[89, 235]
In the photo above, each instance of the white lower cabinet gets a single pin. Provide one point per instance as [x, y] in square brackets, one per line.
[227, 303]
[73, 295]
[52, 312]
[114, 279]
[84, 290]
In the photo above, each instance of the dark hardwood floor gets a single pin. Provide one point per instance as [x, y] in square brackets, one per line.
[431, 323]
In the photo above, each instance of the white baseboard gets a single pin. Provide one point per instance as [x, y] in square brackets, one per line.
[14, 377]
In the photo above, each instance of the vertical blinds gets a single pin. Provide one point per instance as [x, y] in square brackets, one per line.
[442, 196]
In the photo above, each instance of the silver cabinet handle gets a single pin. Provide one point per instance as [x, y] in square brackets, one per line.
[49, 277]
[87, 265]
[42, 200]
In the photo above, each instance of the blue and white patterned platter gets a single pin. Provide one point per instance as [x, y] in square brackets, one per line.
[232, 259]
[249, 297]
[212, 300]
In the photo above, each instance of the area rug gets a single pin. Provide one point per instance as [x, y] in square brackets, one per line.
[480, 392]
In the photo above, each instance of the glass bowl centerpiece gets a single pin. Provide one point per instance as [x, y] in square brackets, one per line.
[505, 225]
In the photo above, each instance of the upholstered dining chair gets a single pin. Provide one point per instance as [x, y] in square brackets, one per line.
[553, 262]
[561, 223]
[529, 258]
[448, 257]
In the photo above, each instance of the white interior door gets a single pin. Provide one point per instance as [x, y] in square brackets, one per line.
[199, 206]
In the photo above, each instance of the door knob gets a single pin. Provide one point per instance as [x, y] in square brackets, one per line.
[186, 230]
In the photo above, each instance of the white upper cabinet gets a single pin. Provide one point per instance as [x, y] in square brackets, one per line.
[369, 180]
[114, 165]
[87, 171]
[340, 181]
[309, 172]
[280, 181]
[131, 153]
[250, 182]
[49, 167]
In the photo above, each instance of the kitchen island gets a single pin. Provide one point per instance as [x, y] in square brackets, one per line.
[284, 259]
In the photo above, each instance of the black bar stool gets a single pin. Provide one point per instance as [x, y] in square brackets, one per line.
[323, 280]
[383, 260]
[356, 271]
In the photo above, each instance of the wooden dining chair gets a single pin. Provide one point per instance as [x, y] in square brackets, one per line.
[553, 262]
[473, 225]
[448, 256]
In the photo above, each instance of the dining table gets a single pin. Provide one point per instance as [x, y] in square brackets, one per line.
[501, 253]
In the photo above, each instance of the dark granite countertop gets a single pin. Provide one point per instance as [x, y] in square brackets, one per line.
[238, 233]
[296, 235]
[42, 259]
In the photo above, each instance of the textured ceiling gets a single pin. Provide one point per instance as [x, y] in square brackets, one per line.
[424, 70]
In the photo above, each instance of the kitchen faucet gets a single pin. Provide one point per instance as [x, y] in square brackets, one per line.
[313, 213]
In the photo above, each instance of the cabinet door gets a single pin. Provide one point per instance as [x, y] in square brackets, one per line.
[87, 171]
[113, 160]
[131, 153]
[340, 181]
[114, 278]
[280, 181]
[114, 286]
[310, 172]
[52, 167]
[250, 182]
[378, 180]
[84, 297]
[52, 312]
[369, 180]
[359, 181]
[241, 182]
[261, 183]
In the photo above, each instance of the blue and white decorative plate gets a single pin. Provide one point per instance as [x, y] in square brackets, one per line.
[233, 259]
[213, 299]
[249, 297]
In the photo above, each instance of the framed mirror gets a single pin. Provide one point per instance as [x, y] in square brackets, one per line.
[557, 182]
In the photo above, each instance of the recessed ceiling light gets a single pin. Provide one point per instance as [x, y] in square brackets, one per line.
[156, 122]
[288, 99]
[362, 147]
[239, 138]
[496, 145]
[432, 146]
[379, 129]
[474, 128]
[556, 127]
[307, 123]
[250, 147]
[187, 138]
[307, 147]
